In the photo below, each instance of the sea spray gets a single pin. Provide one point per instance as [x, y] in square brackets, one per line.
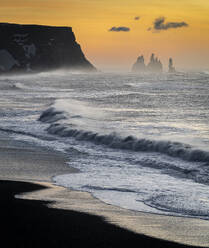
[113, 140]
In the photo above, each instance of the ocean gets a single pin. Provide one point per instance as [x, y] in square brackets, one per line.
[141, 142]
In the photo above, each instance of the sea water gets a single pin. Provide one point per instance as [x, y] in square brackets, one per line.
[141, 142]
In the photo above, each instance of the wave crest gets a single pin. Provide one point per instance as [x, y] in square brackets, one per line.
[113, 140]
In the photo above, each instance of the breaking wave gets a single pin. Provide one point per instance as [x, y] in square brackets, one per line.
[90, 187]
[11, 131]
[113, 140]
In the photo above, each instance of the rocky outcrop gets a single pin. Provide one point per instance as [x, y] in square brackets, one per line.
[154, 65]
[32, 48]
[139, 66]
[171, 68]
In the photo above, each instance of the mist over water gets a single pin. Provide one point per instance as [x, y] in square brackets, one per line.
[140, 141]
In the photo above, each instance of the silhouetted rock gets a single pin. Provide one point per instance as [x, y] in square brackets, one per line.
[139, 65]
[171, 68]
[154, 65]
[25, 48]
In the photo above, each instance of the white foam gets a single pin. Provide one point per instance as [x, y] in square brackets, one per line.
[139, 188]
[123, 167]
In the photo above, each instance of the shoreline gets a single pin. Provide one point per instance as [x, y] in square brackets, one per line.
[30, 165]
[33, 223]
[168, 228]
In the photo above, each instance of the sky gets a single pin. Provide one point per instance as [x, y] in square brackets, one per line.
[113, 33]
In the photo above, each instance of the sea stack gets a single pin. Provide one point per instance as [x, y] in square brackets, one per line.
[171, 68]
[139, 66]
[35, 48]
[154, 65]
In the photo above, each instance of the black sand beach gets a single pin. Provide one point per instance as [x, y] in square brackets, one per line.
[53, 216]
[28, 223]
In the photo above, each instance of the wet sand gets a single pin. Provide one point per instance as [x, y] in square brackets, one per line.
[30, 223]
[188, 231]
[19, 161]
[52, 216]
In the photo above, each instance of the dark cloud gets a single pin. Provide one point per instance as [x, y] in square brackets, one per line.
[159, 24]
[136, 18]
[119, 29]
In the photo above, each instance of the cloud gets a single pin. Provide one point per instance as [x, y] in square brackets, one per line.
[159, 24]
[119, 29]
[136, 18]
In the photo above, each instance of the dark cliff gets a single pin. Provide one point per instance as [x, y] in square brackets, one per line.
[25, 48]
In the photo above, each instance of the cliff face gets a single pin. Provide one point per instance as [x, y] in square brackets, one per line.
[25, 48]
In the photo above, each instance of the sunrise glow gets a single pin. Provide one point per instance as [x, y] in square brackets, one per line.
[91, 21]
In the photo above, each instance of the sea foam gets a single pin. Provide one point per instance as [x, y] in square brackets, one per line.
[114, 140]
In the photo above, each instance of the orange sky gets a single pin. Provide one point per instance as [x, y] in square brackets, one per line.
[91, 20]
